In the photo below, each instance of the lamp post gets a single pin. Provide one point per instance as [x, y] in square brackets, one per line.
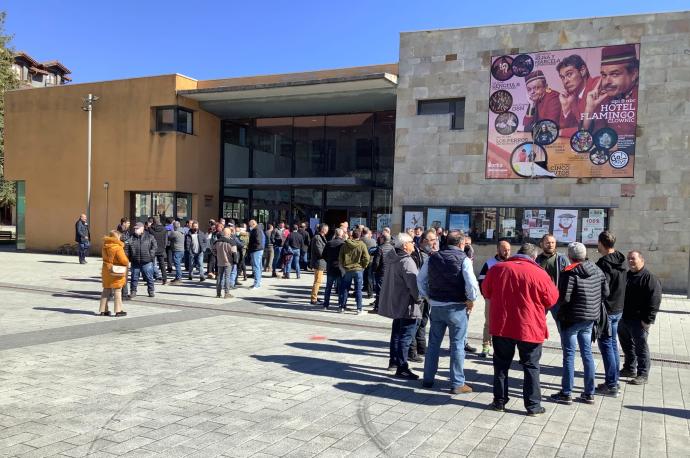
[106, 186]
[87, 106]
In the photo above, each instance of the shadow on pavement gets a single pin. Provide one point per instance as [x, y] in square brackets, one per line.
[82, 279]
[335, 349]
[362, 343]
[680, 413]
[64, 310]
[676, 312]
[59, 262]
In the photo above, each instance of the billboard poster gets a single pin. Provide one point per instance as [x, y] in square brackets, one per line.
[459, 222]
[565, 225]
[566, 113]
[591, 228]
[414, 219]
[383, 220]
[436, 217]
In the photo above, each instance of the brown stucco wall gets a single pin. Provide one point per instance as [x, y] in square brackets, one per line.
[46, 141]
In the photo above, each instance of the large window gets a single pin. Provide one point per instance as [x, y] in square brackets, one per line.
[272, 141]
[309, 146]
[454, 107]
[349, 144]
[164, 204]
[174, 119]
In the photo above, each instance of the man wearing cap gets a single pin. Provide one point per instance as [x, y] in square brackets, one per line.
[545, 102]
[617, 86]
[577, 83]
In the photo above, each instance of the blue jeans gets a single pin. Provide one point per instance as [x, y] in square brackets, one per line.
[147, 271]
[177, 259]
[608, 346]
[276, 257]
[402, 334]
[233, 276]
[196, 260]
[453, 317]
[257, 258]
[579, 334]
[83, 251]
[224, 279]
[332, 280]
[294, 262]
[358, 277]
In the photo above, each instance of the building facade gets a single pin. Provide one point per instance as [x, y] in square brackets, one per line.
[32, 73]
[489, 129]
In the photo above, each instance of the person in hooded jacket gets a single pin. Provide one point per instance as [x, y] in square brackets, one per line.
[113, 254]
[614, 266]
[158, 231]
[582, 288]
[400, 302]
[226, 256]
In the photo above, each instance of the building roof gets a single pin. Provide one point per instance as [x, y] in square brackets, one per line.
[43, 67]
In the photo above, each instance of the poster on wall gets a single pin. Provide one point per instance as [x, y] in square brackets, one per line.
[565, 225]
[566, 113]
[383, 220]
[356, 221]
[591, 228]
[414, 219]
[436, 217]
[535, 224]
[459, 222]
[313, 223]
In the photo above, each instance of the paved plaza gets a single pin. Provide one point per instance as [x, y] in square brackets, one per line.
[267, 374]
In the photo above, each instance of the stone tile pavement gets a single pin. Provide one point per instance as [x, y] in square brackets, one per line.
[271, 376]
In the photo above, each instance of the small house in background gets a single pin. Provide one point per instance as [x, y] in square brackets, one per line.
[32, 73]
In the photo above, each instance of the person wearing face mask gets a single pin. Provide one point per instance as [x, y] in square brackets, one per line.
[503, 250]
[427, 246]
[195, 244]
[553, 263]
[141, 252]
[642, 302]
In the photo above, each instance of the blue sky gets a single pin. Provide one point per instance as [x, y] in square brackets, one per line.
[102, 40]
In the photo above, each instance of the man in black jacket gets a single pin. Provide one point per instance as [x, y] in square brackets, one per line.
[196, 244]
[582, 287]
[332, 256]
[294, 243]
[141, 252]
[82, 236]
[278, 238]
[642, 301]
[378, 266]
[304, 249]
[613, 264]
[317, 262]
[159, 233]
[255, 250]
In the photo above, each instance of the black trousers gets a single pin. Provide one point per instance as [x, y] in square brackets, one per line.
[530, 354]
[169, 254]
[418, 346]
[160, 259]
[633, 339]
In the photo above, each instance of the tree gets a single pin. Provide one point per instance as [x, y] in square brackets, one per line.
[8, 80]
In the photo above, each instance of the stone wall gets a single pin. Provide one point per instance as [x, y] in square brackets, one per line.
[438, 166]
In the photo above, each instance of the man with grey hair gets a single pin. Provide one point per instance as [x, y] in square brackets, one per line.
[400, 302]
[176, 241]
[378, 264]
[447, 281]
[582, 290]
[518, 293]
[331, 254]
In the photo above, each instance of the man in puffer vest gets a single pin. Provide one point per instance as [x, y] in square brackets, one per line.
[447, 281]
[582, 288]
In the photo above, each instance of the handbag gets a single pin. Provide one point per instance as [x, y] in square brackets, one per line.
[118, 271]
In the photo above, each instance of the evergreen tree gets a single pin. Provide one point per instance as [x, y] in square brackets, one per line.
[8, 80]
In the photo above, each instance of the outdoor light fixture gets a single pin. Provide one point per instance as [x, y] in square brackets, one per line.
[87, 105]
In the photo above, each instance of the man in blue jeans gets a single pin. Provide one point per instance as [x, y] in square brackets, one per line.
[83, 238]
[257, 243]
[293, 243]
[582, 288]
[141, 252]
[613, 264]
[176, 241]
[447, 281]
[331, 253]
[195, 244]
[353, 259]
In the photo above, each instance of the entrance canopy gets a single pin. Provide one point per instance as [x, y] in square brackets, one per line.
[301, 94]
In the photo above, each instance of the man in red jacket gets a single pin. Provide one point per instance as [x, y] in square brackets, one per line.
[519, 293]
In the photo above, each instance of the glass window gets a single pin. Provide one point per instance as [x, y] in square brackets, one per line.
[436, 217]
[307, 203]
[235, 161]
[165, 119]
[458, 118]
[456, 107]
[142, 206]
[483, 224]
[384, 147]
[184, 121]
[459, 220]
[235, 203]
[349, 144]
[382, 209]
[535, 223]
[183, 206]
[270, 198]
[357, 199]
[510, 224]
[309, 146]
[272, 142]
[162, 203]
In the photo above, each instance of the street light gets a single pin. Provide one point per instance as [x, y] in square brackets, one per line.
[87, 106]
[106, 186]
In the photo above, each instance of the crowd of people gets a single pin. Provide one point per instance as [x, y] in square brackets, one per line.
[417, 278]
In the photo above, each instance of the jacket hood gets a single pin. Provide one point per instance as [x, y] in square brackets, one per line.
[351, 242]
[108, 240]
[615, 260]
[584, 269]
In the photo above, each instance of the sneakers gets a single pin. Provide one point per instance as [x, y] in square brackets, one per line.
[627, 373]
[486, 349]
[538, 411]
[639, 380]
[415, 358]
[132, 294]
[227, 295]
[561, 398]
[358, 312]
[469, 348]
[151, 294]
[464, 389]
[604, 390]
[587, 398]
[176, 282]
[497, 406]
[341, 310]
[406, 373]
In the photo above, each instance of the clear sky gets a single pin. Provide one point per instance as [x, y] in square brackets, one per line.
[102, 40]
